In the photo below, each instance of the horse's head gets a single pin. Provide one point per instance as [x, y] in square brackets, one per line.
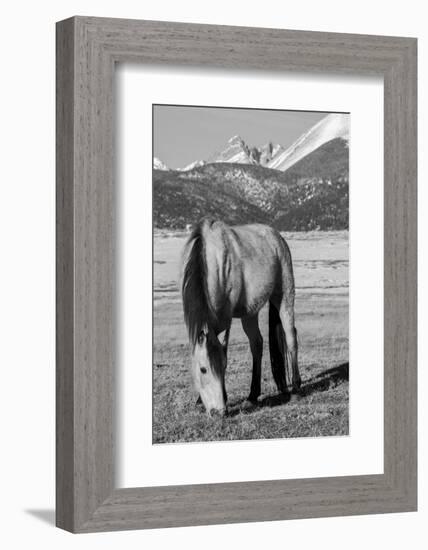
[208, 369]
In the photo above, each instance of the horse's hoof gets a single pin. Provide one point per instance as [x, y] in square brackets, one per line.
[248, 405]
[294, 397]
[297, 385]
[253, 399]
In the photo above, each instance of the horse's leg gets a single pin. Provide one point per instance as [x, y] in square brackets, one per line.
[277, 347]
[225, 341]
[251, 329]
[286, 312]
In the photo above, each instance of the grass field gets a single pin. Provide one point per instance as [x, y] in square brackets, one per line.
[321, 271]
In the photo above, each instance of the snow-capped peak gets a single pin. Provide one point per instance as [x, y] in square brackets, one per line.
[236, 151]
[236, 139]
[268, 151]
[192, 165]
[330, 127]
[159, 165]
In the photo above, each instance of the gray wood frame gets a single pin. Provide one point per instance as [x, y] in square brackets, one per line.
[87, 50]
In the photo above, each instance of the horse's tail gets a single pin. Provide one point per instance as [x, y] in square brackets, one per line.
[278, 349]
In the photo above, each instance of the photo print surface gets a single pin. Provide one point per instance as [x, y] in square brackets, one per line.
[250, 274]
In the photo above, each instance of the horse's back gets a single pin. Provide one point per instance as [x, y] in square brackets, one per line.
[258, 239]
[246, 265]
[250, 239]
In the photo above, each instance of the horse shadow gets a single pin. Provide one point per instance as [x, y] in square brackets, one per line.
[320, 382]
[325, 380]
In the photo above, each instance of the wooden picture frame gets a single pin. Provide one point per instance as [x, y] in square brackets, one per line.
[87, 50]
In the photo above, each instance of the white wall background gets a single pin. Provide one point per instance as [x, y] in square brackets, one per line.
[27, 272]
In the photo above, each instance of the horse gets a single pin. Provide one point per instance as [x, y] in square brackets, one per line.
[231, 272]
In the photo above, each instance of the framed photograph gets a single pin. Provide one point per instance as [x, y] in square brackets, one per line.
[236, 274]
[284, 207]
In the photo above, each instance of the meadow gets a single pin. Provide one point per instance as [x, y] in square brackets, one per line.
[320, 262]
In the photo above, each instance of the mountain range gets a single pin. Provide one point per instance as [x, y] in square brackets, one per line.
[274, 155]
[303, 187]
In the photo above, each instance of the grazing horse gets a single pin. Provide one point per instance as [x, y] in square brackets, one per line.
[232, 272]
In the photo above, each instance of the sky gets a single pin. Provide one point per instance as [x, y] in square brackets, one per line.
[183, 134]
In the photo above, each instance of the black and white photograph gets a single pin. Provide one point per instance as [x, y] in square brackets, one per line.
[250, 273]
[211, 327]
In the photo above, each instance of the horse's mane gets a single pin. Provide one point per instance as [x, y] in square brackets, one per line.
[198, 313]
